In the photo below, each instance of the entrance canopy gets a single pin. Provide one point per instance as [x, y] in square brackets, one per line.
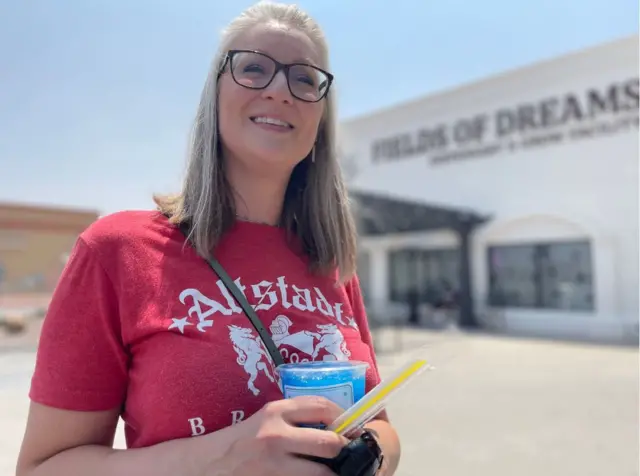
[379, 214]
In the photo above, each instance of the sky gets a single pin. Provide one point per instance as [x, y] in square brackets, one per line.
[97, 96]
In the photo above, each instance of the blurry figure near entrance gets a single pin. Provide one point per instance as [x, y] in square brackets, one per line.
[436, 308]
[413, 304]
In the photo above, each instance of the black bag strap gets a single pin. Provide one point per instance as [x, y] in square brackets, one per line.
[248, 310]
[246, 307]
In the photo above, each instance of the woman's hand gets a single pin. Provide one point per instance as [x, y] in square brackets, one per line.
[268, 443]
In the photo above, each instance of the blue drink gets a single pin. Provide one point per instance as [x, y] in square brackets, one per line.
[342, 382]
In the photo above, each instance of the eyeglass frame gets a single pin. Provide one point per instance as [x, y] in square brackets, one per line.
[228, 59]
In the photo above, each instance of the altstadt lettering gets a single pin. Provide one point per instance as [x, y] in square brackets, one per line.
[507, 123]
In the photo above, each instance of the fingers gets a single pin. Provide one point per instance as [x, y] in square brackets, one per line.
[282, 435]
[311, 410]
[301, 441]
[312, 442]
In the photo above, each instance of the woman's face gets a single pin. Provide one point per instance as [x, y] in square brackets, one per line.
[244, 113]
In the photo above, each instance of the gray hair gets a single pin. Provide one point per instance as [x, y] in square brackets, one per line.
[316, 209]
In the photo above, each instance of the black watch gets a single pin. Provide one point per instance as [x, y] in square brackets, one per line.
[361, 457]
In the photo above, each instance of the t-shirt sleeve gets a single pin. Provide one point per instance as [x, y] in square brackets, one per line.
[81, 362]
[360, 315]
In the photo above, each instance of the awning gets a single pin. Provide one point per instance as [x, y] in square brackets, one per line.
[380, 214]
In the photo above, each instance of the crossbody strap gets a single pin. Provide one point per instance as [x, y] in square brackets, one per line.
[248, 310]
[246, 307]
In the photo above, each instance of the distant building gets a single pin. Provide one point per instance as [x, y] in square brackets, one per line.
[35, 243]
[520, 191]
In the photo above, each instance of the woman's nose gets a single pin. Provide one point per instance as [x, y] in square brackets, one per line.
[278, 90]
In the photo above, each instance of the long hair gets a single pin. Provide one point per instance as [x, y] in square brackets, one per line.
[316, 210]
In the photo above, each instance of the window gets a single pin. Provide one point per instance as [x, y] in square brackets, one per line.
[512, 276]
[543, 275]
[429, 272]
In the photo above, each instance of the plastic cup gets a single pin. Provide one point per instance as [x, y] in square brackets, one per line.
[342, 382]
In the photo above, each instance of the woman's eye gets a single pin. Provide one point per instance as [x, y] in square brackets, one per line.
[306, 79]
[253, 68]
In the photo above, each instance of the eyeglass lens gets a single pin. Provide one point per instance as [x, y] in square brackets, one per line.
[255, 71]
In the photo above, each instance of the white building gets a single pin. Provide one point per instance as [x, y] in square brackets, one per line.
[547, 155]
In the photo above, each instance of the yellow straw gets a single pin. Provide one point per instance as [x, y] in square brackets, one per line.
[382, 393]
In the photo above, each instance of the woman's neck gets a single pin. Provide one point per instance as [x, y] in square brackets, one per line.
[258, 198]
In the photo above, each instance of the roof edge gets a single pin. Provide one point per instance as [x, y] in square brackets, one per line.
[42, 208]
[483, 80]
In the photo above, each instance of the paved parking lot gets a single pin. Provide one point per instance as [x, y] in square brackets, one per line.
[493, 406]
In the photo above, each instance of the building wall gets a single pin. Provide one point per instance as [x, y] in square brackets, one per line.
[34, 245]
[560, 177]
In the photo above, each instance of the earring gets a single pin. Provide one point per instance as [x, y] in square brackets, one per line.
[313, 154]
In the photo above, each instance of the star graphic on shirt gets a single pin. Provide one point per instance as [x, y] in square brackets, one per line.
[180, 324]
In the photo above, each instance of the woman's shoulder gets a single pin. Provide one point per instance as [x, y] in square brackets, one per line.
[127, 228]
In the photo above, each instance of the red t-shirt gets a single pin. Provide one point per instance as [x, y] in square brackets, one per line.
[140, 321]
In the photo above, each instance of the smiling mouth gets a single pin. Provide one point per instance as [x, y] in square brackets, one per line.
[271, 121]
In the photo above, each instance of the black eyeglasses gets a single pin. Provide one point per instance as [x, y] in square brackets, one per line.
[255, 70]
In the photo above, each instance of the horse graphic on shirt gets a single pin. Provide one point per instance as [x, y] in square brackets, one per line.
[328, 337]
[332, 340]
[251, 355]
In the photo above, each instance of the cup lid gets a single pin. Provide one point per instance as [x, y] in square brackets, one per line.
[324, 366]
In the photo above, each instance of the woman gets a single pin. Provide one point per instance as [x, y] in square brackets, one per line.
[141, 327]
